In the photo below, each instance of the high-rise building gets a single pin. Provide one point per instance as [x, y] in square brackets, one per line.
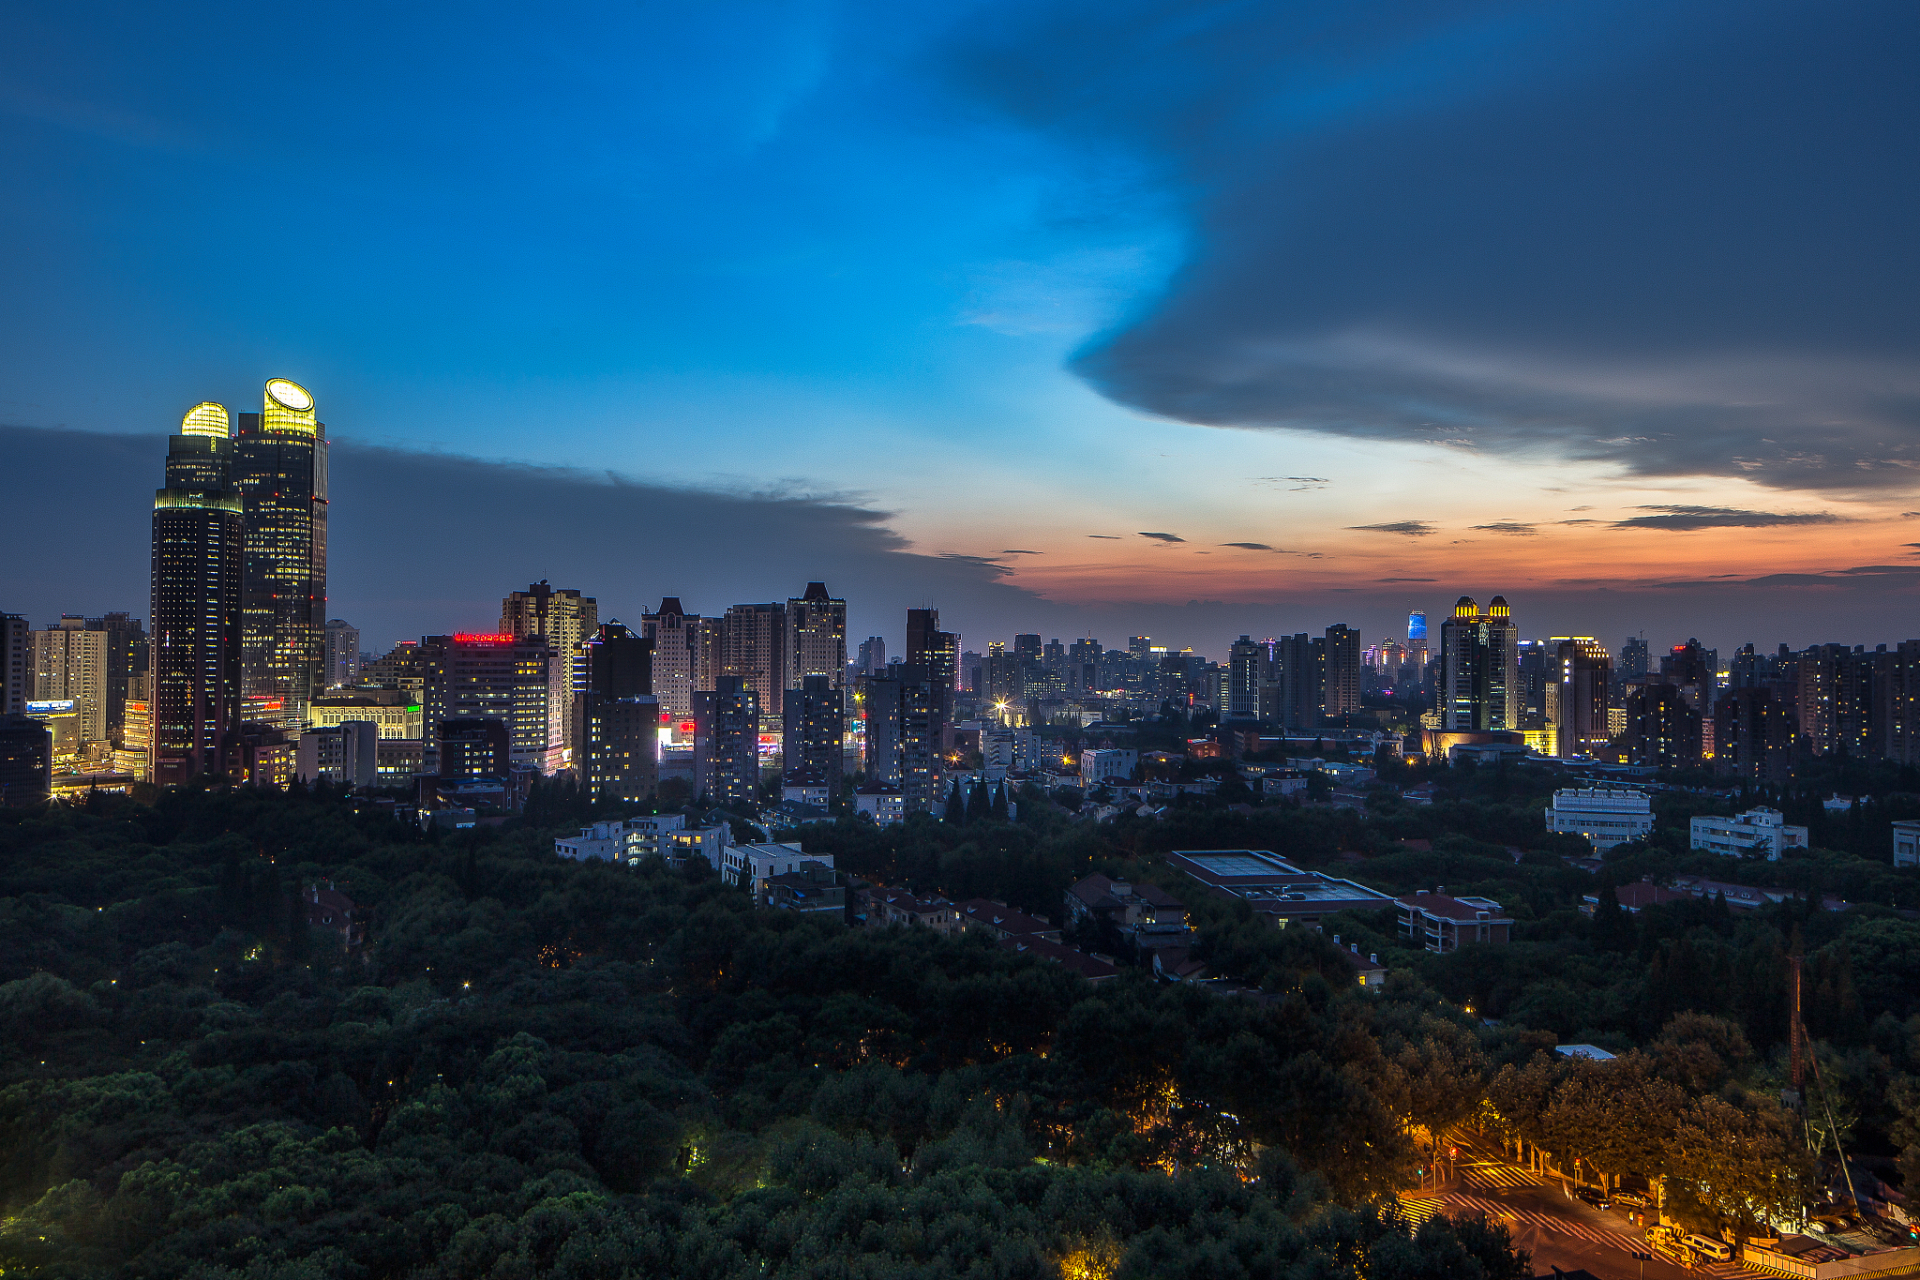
[617, 738]
[70, 662]
[199, 549]
[1584, 669]
[1693, 670]
[1295, 689]
[341, 669]
[26, 762]
[684, 658]
[726, 741]
[563, 619]
[1342, 672]
[812, 750]
[873, 656]
[16, 664]
[937, 653]
[904, 728]
[816, 641]
[1480, 668]
[1753, 736]
[488, 676]
[753, 646]
[1246, 665]
[1663, 729]
[134, 755]
[1417, 639]
[280, 468]
[1634, 658]
[1897, 713]
[473, 747]
[126, 659]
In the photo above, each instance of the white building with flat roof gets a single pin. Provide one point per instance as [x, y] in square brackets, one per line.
[1761, 833]
[1606, 816]
[1906, 843]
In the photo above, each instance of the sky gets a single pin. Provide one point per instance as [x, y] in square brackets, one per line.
[1185, 319]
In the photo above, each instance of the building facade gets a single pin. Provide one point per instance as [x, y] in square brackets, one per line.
[280, 468]
[683, 655]
[1583, 671]
[488, 676]
[70, 663]
[1606, 816]
[726, 742]
[753, 649]
[1480, 668]
[617, 738]
[816, 641]
[813, 750]
[198, 572]
[562, 619]
[341, 664]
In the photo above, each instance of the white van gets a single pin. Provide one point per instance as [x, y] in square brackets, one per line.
[1718, 1250]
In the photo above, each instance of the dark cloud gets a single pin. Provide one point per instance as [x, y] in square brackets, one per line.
[1672, 238]
[1164, 537]
[1412, 528]
[1508, 526]
[1018, 551]
[1110, 537]
[1875, 576]
[1685, 518]
[415, 546]
[1250, 546]
[1406, 579]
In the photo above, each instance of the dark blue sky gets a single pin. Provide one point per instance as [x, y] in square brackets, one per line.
[1506, 281]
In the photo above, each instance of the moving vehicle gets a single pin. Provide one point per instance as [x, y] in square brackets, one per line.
[1631, 1199]
[1592, 1195]
[1718, 1250]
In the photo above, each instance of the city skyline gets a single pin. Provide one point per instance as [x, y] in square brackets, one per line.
[994, 317]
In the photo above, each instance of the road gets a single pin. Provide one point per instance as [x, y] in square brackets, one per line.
[1556, 1229]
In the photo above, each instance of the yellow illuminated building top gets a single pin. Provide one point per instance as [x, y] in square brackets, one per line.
[287, 410]
[206, 419]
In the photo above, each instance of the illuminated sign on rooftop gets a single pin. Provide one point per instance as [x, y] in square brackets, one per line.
[481, 637]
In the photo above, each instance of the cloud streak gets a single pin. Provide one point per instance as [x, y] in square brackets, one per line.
[1410, 528]
[1164, 537]
[1688, 518]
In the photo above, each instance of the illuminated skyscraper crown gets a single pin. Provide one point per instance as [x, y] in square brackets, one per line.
[206, 419]
[1466, 608]
[287, 409]
[1497, 608]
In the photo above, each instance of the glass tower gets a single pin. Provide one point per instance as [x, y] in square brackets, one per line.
[281, 470]
[198, 549]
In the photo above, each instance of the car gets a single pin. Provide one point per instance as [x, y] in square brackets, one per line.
[1718, 1250]
[1632, 1199]
[1593, 1196]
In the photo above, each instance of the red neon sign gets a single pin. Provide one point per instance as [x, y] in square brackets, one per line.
[480, 637]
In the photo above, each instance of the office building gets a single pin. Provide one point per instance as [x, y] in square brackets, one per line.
[488, 676]
[126, 661]
[134, 754]
[562, 619]
[813, 750]
[873, 656]
[617, 738]
[816, 641]
[1246, 670]
[1606, 816]
[683, 655]
[280, 468]
[937, 653]
[341, 665]
[1294, 690]
[344, 754]
[198, 572]
[1583, 670]
[1340, 695]
[70, 664]
[62, 720]
[726, 742]
[1417, 640]
[1479, 668]
[753, 648]
[26, 762]
[395, 713]
[1635, 660]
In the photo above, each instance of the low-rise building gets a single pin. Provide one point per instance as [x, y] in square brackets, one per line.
[1129, 905]
[1757, 833]
[1441, 924]
[887, 908]
[1606, 816]
[811, 888]
[1273, 887]
[1107, 765]
[1000, 921]
[1906, 843]
[1290, 782]
[328, 908]
[1089, 965]
[1368, 972]
[881, 801]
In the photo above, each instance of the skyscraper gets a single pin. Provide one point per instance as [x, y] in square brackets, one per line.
[1480, 668]
[726, 741]
[280, 468]
[811, 752]
[903, 734]
[1246, 664]
[341, 668]
[753, 646]
[937, 653]
[873, 655]
[198, 571]
[562, 618]
[1342, 675]
[617, 738]
[816, 640]
[1417, 640]
[683, 655]
[1583, 668]
[70, 662]
[16, 664]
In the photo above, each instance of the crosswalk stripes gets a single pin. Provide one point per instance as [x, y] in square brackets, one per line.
[1419, 1210]
[1490, 1175]
[1545, 1221]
